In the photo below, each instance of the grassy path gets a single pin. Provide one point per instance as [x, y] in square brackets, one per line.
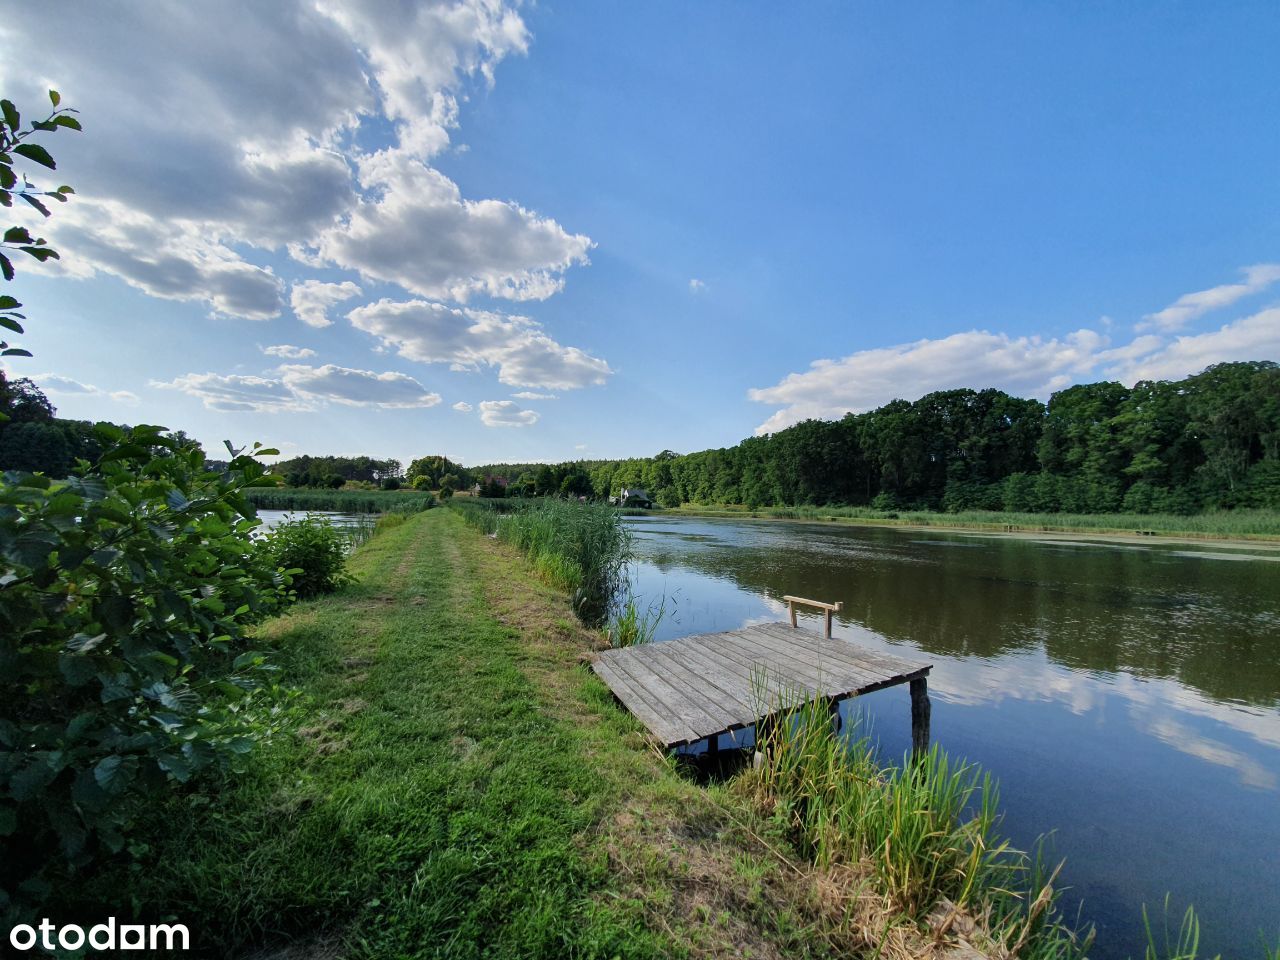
[458, 784]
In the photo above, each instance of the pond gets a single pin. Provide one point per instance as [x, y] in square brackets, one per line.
[1126, 694]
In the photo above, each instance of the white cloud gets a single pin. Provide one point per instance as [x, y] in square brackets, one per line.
[311, 299]
[531, 395]
[579, 446]
[1028, 366]
[289, 352]
[696, 285]
[358, 388]
[236, 393]
[1255, 337]
[1190, 306]
[300, 387]
[421, 234]
[205, 146]
[469, 339]
[505, 413]
[55, 384]
[462, 406]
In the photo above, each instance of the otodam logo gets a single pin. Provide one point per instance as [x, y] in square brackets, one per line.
[108, 935]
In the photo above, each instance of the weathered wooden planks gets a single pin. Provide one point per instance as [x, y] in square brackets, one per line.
[697, 687]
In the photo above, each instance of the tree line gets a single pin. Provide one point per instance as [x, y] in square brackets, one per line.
[1209, 441]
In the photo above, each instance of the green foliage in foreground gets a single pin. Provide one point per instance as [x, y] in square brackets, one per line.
[341, 501]
[311, 550]
[125, 592]
[582, 548]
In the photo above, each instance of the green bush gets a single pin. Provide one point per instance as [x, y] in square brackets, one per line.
[124, 595]
[312, 551]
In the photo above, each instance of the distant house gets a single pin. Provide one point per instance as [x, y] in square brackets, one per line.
[634, 497]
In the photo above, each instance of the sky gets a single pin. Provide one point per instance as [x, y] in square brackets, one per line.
[564, 230]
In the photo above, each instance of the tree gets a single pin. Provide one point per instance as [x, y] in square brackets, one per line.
[16, 143]
[21, 401]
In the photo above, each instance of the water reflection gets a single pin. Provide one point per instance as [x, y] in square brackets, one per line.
[1127, 695]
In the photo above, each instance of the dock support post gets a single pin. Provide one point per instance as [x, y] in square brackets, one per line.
[920, 710]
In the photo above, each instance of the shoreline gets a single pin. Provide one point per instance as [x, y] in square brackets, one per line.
[1117, 534]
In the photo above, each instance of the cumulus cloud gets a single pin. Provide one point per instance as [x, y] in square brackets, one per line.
[531, 395]
[462, 406]
[421, 234]
[287, 351]
[257, 146]
[505, 413]
[234, 393]
[1023, 366]
[869, 378]
[299, 387]
[311, 299]
[467, 339]
[358, 388]
[55, 384]
[1190, 306]
[696, 285]
[1249, 338]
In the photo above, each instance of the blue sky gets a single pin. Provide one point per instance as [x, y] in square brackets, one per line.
[592, 230]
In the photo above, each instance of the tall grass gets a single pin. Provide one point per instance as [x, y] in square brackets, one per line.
[582, 548]
[341, 501]
[630, 626]
[1219, 523]
[923, 833]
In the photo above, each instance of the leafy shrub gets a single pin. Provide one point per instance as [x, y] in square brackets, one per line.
[313, 552]
[390, 483]
[124, 595]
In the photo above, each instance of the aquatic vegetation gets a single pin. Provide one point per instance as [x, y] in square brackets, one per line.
[341, 501]
[582, 548]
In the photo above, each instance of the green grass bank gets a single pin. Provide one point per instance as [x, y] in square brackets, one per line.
[1256, 524]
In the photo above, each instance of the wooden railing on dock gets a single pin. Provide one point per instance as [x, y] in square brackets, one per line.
[828, 609]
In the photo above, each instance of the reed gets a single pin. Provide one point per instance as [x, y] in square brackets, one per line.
[582, 548]
[1235, 524]
[340, 501]
[925, 833]
[630, 626]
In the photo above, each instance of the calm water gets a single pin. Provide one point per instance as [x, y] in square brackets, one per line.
[1126, 696]
[273, 518]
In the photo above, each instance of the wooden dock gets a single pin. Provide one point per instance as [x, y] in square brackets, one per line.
[699, 687]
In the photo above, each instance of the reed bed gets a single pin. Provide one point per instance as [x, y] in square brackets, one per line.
[915, 845]
[582, 548]
[1223, 524]
[340, 501]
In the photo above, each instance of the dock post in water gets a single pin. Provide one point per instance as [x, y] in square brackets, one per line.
[920, 710]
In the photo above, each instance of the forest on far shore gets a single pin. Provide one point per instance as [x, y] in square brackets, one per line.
[1207, 442]
[1210, 441]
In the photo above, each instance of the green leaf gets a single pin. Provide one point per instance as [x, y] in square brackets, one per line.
[175, 765]
[111, 774]
[10, 324]
[35, 203]
[17, 235]
[6, 267]
[9, 303]
[41, 253]
[65, 121]
[8, 179]
[55, 98]
[15, 352]
[11, 115]
[35, 153]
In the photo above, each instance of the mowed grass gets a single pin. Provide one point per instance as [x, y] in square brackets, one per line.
[453, 786]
